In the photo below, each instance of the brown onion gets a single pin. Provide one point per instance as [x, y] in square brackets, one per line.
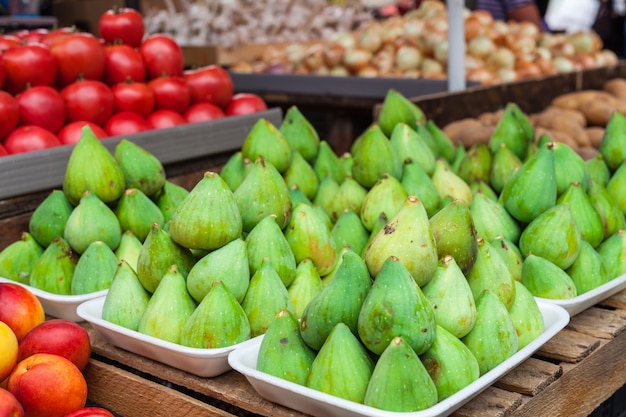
[408, 57]
[356, 58]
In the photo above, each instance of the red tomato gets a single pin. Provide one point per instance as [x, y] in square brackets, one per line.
[32, 35]
[211, 83]
[171, 93]
[42, 106]
[202, 112]
[8, 41]
[135, 97]
[71, 132]
[3, 72]
[9, 113]
[245, 103]
[78, 55]
[90, 412]
[162, 55]
[88, 100]
[123, 62]
[126, 123]
[50, 37]
[24, 66]
[161, 119]
[3, 150]
[30, 138]
[121, 24]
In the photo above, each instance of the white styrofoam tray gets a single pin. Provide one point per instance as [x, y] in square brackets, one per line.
[59, 306]
[319, 404]
[200, 362]
[582, 302]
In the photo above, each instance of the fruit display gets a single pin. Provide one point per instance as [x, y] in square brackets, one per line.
[415, 45]
[121, 83]
[42, 361]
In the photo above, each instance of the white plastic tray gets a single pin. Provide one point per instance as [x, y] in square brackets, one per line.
[59, 306]
[201, 362]
[584, 301]
[319, 404]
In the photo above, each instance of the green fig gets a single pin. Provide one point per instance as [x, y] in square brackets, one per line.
[129, 249]
[218, 321]
[451, 298]
[208, 218]
[511, 132]
[168, 200]
[546, 280]
[346, 161]
[338, 260]
[400, 382]
[168, 309]
[49, 218]
[416, 182]
[300, 133]
[616, 186]
[598, 170]
[265, 140]
[327, 163]
[233, 171]
[409, 237]
[92, 220]
[407, 144]
[95, 269]
[455, 234]
[349, 230]
[588, 271]
[326, 194]
[503, 165]
[350, 284]
[493, 339]
[228, 264]
[91, 167]
[533, 188]
[342, 366]
[158, 252]
[587, 219]
[397, 108]
[266, 240]
[610, 214]
[126, 299]
[283, 353]
[297, 196]
[386, 196]
[491, 219]
[613, 254]
[136, 212]
[350, 195]
[523, 121]
[613, 145]
[490, 272]
[569, 167]
[261, 193]
[374, 157]
[510, 254]
[142, 170]
[445, 146]
[396, 306]
[526, 316]
[266, 296]
[483, 188]
[450, 184]
[553, 235]
[18, 258]
[450, 364]
[424, 133]
[309, 237]
[300, 173]
[306, 285]
[459, 155]
[476, 165]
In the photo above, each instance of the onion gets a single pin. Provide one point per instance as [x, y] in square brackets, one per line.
[440, 51]
[502, 58]
[563, 64]
[412, 73]
[606, 58]
[481, 75]
[413, 28]
[333, 54]
[564, 49]
[345, 39]
[543, 53]
[473, 28]
[436, 24]
[481, 46]
[295, 53]
[384, 60]
[356, 58]
[527, 29]
[521, 45]
[506, 75]
[527, 70]
[585, 43]
[339, 71]
[272, 54]
[241, 67]
[314, 58]
[484, 17]
[370, 38]
[368, 71]
[430, 67]
[472, 63]
[392, 29]
[408, 57]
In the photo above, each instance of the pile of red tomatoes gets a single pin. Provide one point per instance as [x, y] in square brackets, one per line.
[53, 82]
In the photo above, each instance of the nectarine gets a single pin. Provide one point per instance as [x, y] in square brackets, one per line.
[9, 349]
[60, 337]
[91, 412]
[48, 385]
[9, 405]
[21, 309]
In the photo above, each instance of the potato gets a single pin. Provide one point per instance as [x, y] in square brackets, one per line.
[557, 136]
[598, 112]
[616, 87]
[452, 129]
[587, 152]
[546, 118]
[472, 134]
[575, 99]
[595, 135]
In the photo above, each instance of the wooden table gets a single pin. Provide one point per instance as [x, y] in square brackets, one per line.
[571, 375]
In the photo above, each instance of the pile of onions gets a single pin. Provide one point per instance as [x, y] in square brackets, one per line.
[415, 46]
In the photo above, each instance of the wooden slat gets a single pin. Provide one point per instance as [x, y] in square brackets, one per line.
[599, 322]
[493, 402]
[130, 395]
[616, 301]
[530, 377]
[568, 346]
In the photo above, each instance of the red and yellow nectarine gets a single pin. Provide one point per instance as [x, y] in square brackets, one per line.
[21, 309]
[9, 405]
[9, 349]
